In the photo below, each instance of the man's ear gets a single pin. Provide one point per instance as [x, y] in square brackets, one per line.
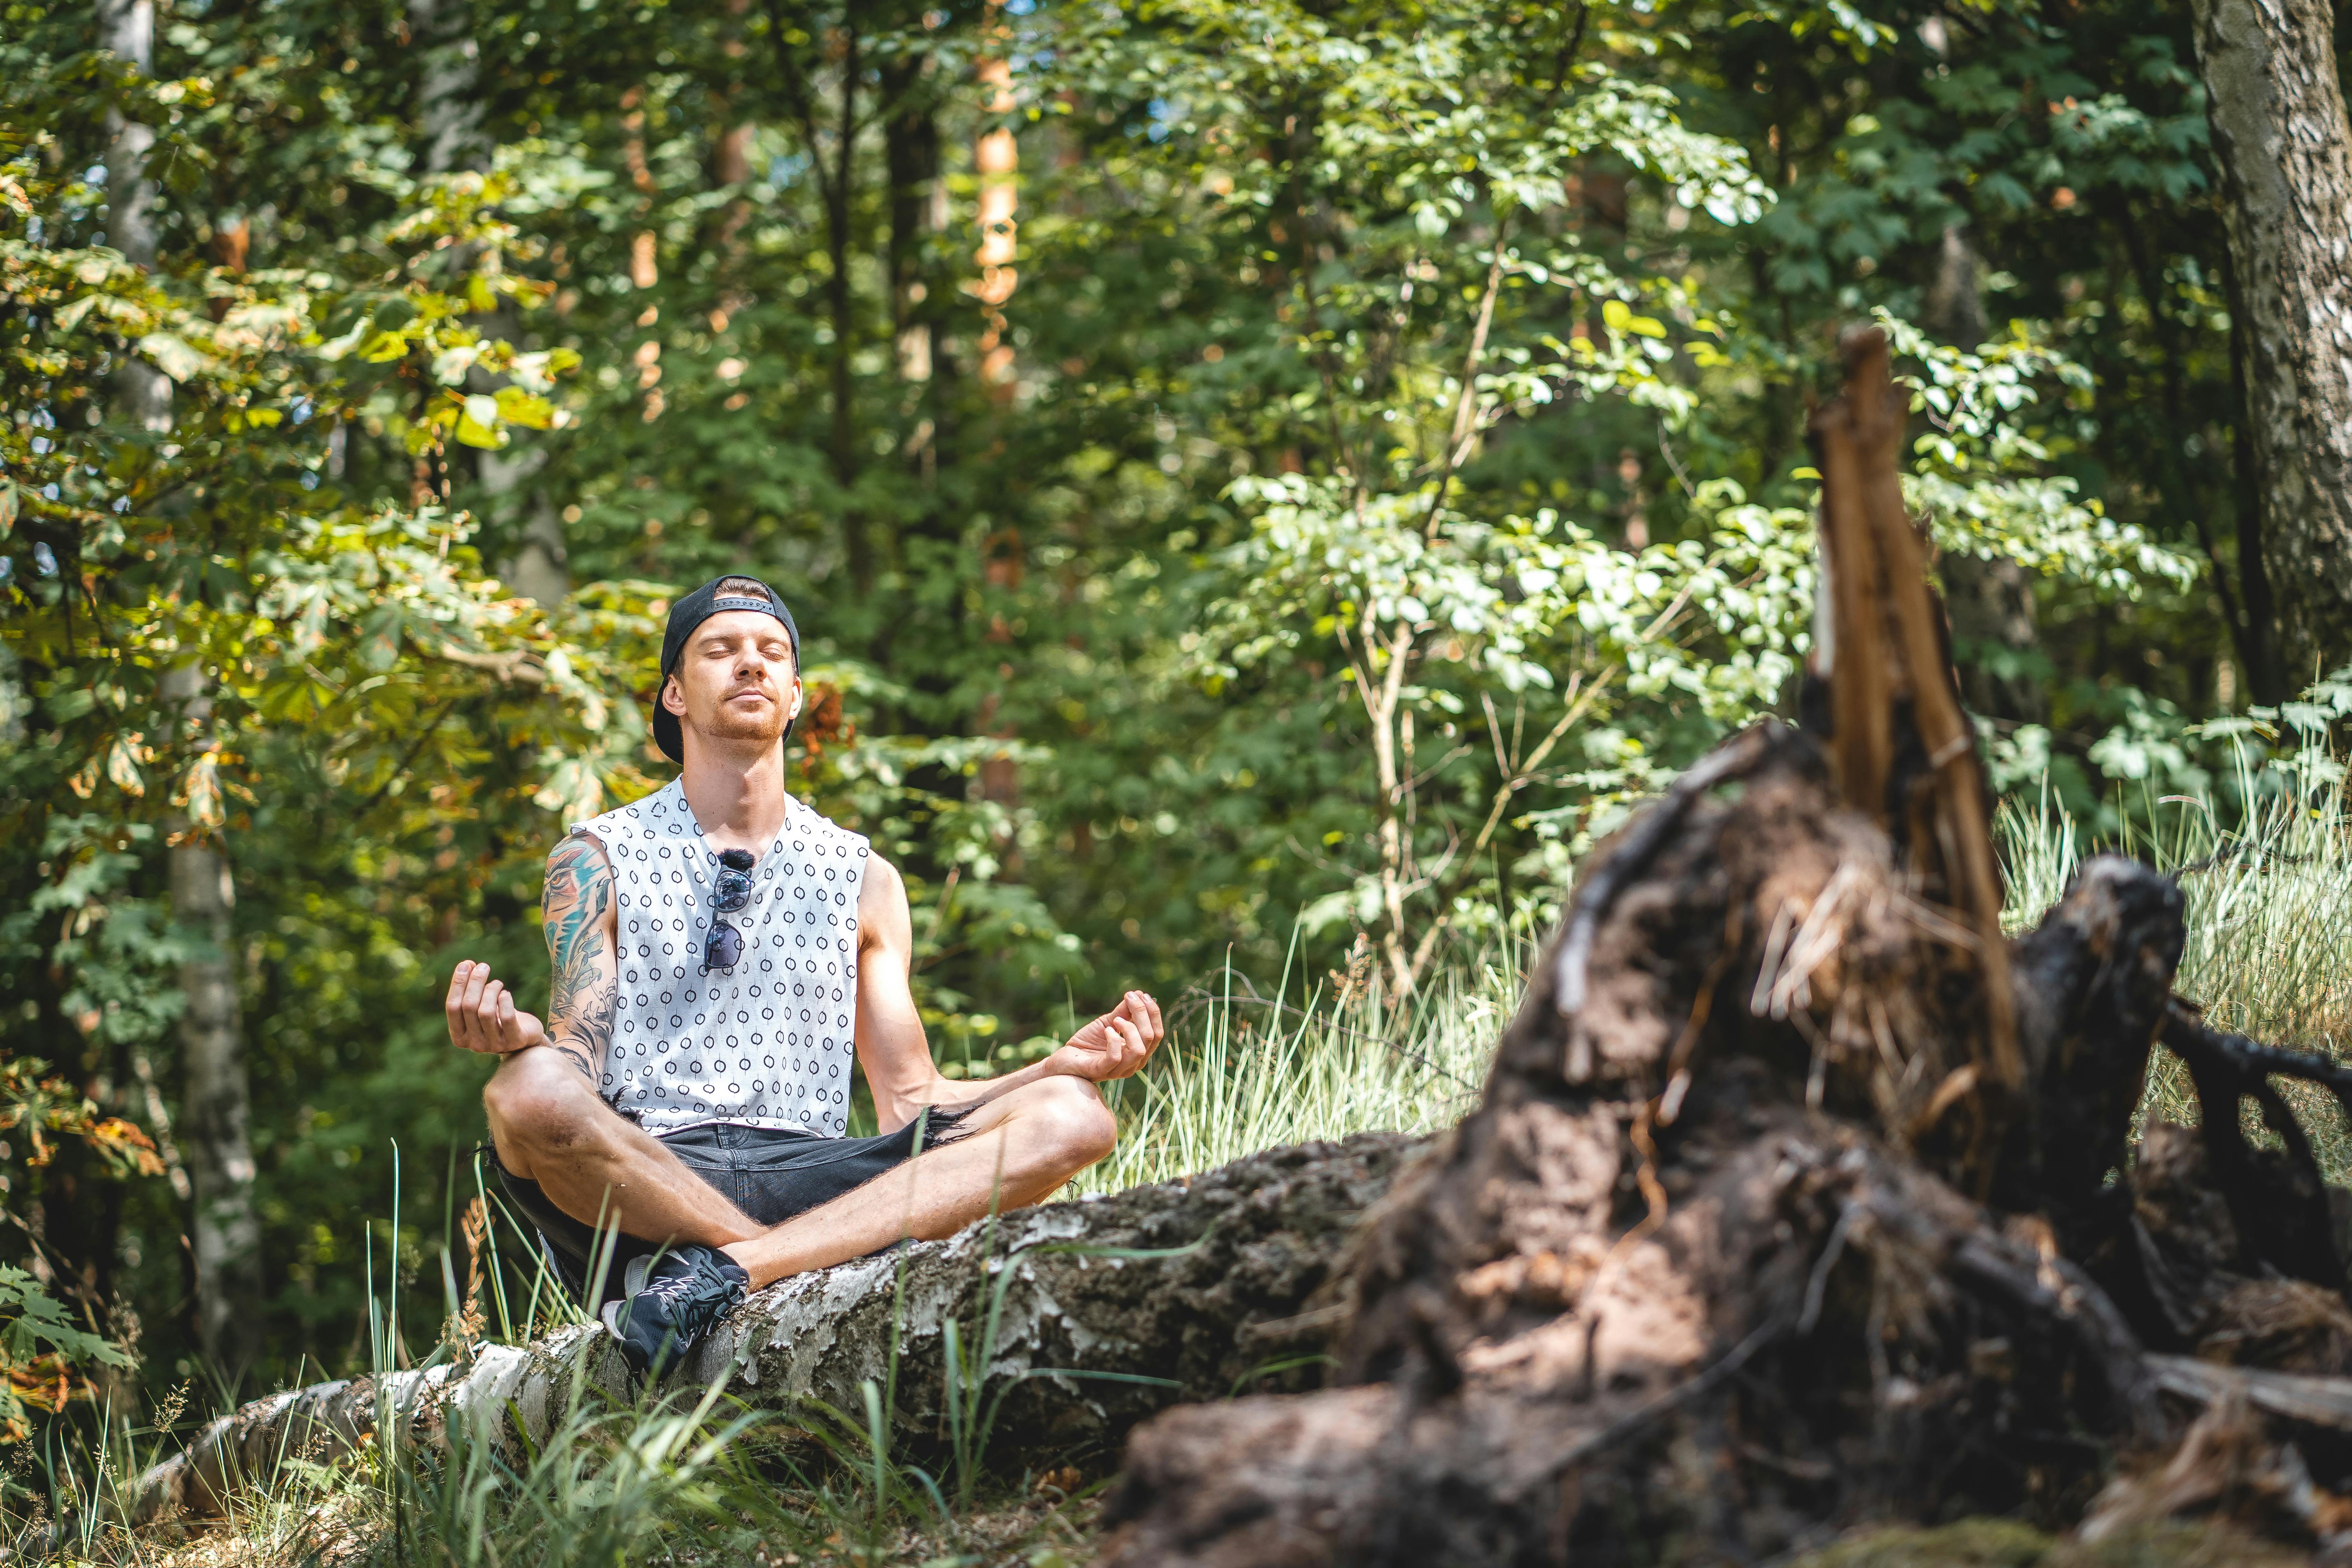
[673, 697]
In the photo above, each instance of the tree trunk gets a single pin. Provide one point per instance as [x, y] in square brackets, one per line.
[910, 160]
[2266, 676]
[1111, 1309]
[1995, 638]
[857, 539]
[2285, 154]
[1990, 602]
[217, 1110]
[127, 29]
[226, 1238]
[450, 124]
[996, 159]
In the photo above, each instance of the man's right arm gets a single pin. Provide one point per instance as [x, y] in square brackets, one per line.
[581, 928]
[583, 951]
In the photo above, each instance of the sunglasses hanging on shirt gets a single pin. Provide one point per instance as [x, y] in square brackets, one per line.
[723, 949]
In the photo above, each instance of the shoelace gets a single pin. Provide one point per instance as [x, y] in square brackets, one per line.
[701, 1293]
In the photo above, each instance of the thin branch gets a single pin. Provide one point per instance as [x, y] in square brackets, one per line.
[401, 769]
[1466, 405]
[1519, 779]
[521, 666]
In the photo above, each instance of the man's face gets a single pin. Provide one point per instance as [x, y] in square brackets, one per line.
[735, 683]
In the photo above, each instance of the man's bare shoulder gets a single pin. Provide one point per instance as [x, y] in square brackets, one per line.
[881, 880]
[578, 848]
[881, 902]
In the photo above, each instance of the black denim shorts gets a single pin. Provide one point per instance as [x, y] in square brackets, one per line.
[770, 1173]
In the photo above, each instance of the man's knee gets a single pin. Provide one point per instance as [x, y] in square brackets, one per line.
[538, 1102]
[1078, 1125]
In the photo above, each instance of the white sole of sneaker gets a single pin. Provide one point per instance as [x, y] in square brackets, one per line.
[633, 1280]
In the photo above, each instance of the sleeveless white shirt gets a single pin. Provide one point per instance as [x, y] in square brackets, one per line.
[768, 1042]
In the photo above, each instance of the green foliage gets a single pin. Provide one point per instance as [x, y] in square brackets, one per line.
[1381, 461]
[44, 1355]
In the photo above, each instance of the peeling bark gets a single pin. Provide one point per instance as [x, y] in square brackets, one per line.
[1113, 1308]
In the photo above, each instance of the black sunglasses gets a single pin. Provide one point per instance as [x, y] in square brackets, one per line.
[723, 949]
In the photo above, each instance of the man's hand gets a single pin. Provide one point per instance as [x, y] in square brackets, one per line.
[1115, 1045]
[483, 1015]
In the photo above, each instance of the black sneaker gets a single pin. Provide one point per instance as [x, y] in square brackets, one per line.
[673, 1300]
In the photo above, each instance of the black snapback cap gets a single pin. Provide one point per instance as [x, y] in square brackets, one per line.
[692, 612]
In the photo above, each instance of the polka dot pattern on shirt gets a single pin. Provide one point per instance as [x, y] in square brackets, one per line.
[768, 1042]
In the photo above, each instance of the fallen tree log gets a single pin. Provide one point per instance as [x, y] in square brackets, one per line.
[1106, 1310]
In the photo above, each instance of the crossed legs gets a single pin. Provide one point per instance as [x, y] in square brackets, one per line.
[550, 1127]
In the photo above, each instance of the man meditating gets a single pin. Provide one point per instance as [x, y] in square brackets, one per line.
[721, 951]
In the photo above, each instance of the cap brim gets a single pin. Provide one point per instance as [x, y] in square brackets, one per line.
[667, 736]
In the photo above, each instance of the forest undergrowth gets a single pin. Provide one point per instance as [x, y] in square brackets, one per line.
[695, 1478]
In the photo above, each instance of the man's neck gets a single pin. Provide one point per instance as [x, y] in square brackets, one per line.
[738, 800]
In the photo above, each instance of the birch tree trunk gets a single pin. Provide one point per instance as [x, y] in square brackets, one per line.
[127, 30]
[217, 1107]
[2286, 154]
[215, 1112]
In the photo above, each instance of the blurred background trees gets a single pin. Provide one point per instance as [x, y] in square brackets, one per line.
[1257, 481]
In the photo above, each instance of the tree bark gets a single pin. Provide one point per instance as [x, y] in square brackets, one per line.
[216, 1109]
[127, 29]
[841, 309]
[1112, 1309]
[996, 159]
[2280, 136]
[226, 1239]
[449, 122]
[1990, 603]
[2266, 676]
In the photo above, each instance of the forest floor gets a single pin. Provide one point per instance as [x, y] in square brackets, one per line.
[2270, 952]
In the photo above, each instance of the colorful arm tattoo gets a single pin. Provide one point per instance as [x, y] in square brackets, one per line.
[587, 989]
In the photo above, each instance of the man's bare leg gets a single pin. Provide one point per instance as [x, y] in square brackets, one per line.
[1016, 1151]
[550, 1127]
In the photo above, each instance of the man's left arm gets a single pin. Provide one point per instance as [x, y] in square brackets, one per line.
[896, 1054]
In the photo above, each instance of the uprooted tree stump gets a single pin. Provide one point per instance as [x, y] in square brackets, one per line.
[1799, 1199]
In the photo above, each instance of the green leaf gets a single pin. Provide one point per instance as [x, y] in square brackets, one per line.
[173, 355]
[478, 425]
[40, 1318]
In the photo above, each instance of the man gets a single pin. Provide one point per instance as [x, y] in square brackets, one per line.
[719, 951]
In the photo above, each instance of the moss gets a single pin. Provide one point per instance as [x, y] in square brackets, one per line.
[1970, 1544]
[2005, 1543]
[2175, 1545]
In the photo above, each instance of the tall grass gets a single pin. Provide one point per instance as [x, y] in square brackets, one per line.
[1245, 1072]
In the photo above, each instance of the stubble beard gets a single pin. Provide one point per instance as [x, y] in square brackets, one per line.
[728, 726]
